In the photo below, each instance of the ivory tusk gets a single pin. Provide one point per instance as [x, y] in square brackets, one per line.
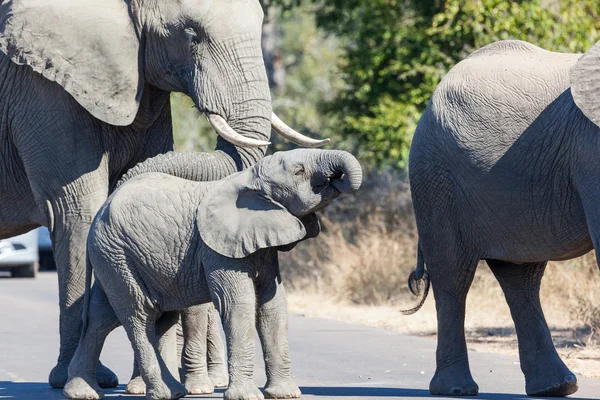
[288, 133]
[228, 133]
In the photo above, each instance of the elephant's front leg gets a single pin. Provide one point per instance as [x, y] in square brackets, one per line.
[215, 350]
[272, 326]
[72, 217]
[545, 373]
[195, 322]
[233, 293]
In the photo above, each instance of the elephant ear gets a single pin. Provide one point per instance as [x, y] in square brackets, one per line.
[235, 219]
[585, 84]
[89, 47]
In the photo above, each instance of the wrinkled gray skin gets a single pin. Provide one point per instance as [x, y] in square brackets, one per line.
[199, 350]
[504, 167]
[161, 244]
[84, 93]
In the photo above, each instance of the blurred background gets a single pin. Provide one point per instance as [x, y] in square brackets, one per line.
[361, 72]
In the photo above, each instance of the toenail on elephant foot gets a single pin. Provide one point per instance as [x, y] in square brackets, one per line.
[79, 389]
[219, 376]
[163, 391]
[564, 387]
[448, 385]
[199, 384]
[105, 377]
[243, 391]
[136, 386]
[282, 389]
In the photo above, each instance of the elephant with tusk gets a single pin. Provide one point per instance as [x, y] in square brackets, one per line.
[85, 95]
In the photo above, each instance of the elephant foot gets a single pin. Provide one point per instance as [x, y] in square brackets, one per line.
[218, 375]
[79, 389]
[163, 391]
[59, 375]
[282, 389]
[551, 382]
[199, 384]
[243, 391]
[136, 386]
[453, 382]
[105, 377]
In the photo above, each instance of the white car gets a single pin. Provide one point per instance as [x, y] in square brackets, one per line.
[19, 255]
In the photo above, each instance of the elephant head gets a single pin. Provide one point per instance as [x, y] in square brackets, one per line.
[585, 84]
[273, 203]
[105, 52]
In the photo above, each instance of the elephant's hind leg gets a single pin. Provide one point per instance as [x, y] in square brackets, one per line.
[451, 276]
[166, 327]
[83, 381]
[545, 373]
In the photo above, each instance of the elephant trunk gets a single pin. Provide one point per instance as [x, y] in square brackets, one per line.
[344, 163]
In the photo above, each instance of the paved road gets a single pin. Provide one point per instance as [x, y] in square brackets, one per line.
[331, 360]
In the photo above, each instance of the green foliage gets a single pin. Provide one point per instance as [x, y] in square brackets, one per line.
[397, 51]
[312, 76]
[191, 130]
[365, 77]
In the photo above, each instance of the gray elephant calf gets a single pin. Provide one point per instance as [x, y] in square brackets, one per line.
[161, 244]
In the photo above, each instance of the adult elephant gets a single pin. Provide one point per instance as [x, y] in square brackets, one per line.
[504, 167]
[84, 94]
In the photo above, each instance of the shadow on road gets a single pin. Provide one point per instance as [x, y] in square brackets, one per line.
[39, 390]
[375, 392]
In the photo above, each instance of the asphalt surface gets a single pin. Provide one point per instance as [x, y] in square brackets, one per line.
[330, 360]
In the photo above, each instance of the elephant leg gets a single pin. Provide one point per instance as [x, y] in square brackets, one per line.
[272, 326]
[141, 330]
[216, 358]
[166, 327]
[451, 278]
[136, 384]
[233, 293]
[69, 235]
[101, 320]
[166, 332]
[545, 373]
[195, 322]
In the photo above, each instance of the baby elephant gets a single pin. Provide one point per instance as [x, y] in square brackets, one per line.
[161, 244]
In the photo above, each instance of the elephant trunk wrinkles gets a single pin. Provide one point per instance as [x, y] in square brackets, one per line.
[209, 166]
[341, 161]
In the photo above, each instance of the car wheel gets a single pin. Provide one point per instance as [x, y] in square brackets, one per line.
[25, 271]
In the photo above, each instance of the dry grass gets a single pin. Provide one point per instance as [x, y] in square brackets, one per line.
[357, 270]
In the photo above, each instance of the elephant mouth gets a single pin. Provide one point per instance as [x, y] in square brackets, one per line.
[328, 182]
[336, 181]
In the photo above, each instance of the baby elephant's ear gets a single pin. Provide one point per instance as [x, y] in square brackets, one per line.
[236, 220]
[585, 84]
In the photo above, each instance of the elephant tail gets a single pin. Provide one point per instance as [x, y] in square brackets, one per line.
[416, 280]
[87, 293]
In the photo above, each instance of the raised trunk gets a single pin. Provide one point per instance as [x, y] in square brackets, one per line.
[340, 161]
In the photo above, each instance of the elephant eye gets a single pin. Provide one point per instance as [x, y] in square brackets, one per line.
[299, 170]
